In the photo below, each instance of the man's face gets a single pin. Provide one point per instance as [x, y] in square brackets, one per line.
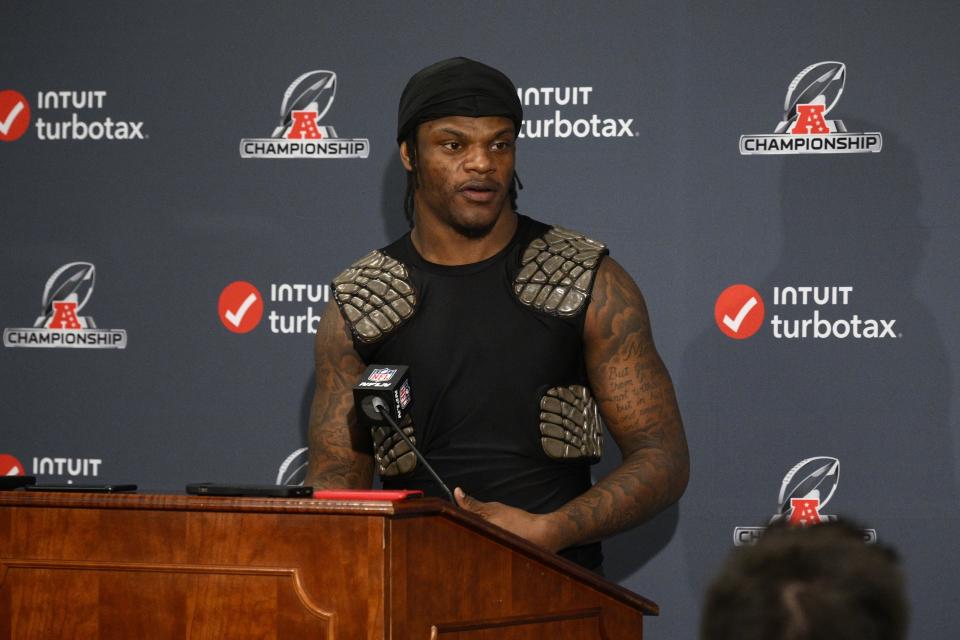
[465, 168]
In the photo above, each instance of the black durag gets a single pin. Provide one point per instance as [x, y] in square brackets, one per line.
[457, 87]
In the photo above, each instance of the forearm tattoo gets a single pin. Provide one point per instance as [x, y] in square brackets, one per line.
[639, 407]
[341, 455]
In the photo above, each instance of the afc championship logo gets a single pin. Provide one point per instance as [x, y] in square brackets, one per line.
[293, 469]
[805, 490]
[60, 324]
[299, 133]
[804, 129]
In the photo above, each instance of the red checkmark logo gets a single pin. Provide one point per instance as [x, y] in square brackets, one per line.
[10, 466]
[14, 115]
[739, 311]
[240, 307]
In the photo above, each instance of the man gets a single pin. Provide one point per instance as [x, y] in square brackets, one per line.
[519, 337]
[808, 583]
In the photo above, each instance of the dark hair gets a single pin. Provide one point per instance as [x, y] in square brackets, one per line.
[413, 181]
[808, 583]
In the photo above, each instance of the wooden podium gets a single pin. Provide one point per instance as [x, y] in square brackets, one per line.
[177, 566]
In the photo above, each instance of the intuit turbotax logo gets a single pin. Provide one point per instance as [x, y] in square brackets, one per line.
[52, 466]
[798, 313]
[10, 466]
[813, 94]
[14, 115]
[570, 113]
[62, 115]
[299, 133]
[291, 310]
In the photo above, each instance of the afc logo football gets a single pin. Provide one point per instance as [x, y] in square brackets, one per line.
[299, 133]
[307, 100]
[806, 489]
[60, 324]
[293, 469]
[68, 290]
[804, 492]
[812, 94]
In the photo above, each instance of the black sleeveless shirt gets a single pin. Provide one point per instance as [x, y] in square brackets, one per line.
[480, 363]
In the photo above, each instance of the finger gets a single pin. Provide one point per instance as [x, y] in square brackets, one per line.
[466, 502]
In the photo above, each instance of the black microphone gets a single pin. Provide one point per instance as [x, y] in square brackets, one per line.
[383, 394]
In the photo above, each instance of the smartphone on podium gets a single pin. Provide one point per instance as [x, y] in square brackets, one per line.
[84, 488]
[249, 490]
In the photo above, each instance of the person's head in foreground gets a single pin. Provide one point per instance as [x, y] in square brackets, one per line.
[808, 583]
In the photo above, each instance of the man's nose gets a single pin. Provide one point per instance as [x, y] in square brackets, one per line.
[479, 159]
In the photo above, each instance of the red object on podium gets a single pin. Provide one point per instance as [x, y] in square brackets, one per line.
[389, 495]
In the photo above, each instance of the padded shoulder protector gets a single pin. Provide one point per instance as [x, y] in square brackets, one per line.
[375, 295]
[570, 424]
[557, 269]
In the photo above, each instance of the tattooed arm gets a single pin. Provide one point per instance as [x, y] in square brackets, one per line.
[340, 452]
[639, 408]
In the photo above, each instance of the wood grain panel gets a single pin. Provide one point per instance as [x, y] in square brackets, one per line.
[114, 600]
[451, 576]
[160, 561]
[165, 566]
[560, 626]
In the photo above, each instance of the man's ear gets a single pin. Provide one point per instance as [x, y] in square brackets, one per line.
[405, 156]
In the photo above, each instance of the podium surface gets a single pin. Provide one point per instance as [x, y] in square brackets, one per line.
[177, 566]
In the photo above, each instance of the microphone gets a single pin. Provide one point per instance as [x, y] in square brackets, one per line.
[383, 395]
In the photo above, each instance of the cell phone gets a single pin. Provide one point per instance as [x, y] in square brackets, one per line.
[84, 488]
[249, 490]
[8, 483]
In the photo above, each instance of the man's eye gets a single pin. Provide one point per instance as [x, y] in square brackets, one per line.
[501, 145]
[453, 146]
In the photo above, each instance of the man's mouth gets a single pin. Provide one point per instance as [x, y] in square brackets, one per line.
[478, 191]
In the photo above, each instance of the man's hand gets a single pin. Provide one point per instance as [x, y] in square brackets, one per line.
[536, 528]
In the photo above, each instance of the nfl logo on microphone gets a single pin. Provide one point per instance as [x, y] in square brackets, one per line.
[381, 375]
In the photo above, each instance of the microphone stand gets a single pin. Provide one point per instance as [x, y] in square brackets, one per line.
[382, 410]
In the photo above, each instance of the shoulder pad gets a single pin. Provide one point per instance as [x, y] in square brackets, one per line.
[375, 295]
[557, 271]
[393, 456]
[570, 424]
